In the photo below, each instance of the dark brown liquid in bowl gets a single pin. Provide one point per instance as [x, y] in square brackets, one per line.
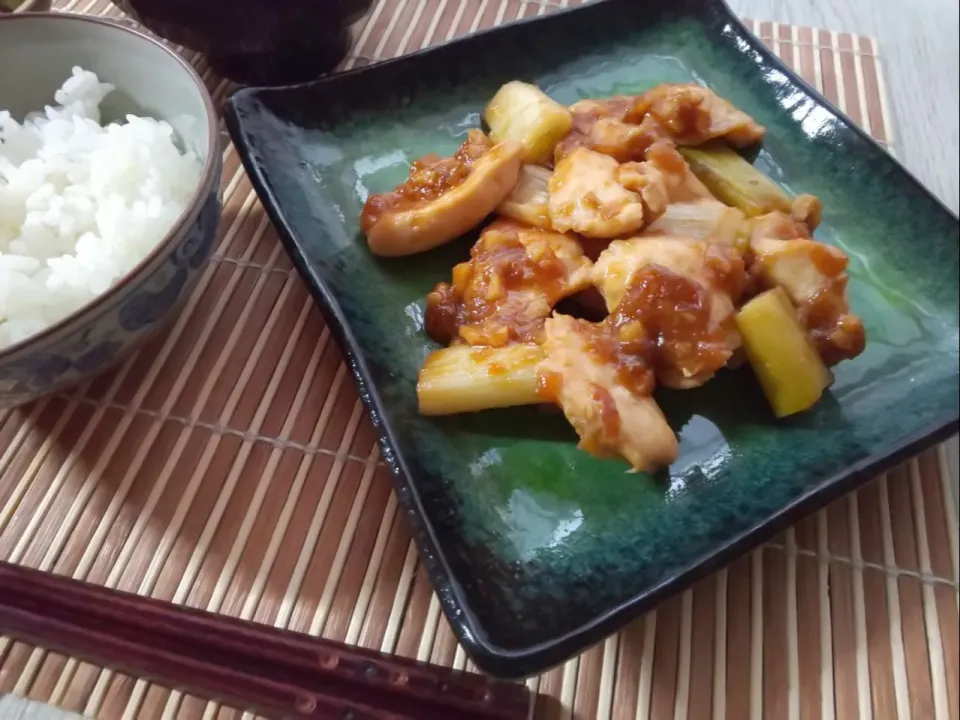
[256, 42]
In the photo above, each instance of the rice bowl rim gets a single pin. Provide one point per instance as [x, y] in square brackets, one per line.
[187, 217]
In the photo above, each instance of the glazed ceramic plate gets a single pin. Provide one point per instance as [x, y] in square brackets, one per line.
[535, 548]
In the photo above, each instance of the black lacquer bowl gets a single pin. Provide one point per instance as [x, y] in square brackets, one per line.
[259, 42]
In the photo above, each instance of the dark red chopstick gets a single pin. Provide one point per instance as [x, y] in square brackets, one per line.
[256, 667]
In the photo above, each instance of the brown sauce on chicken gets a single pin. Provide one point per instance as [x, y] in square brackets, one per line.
[727, 271]
[679, 110]
[430, 177]
[549, 385]
[663, 320]
[444, 314]
[496, 284]
[675, 316]
[624, 127]
[609, 127]
[609, 415]
[836, 333]
[822, 304]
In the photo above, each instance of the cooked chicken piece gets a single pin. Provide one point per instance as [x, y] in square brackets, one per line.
[624, 127]
[623, 259]
[593, 195]
[692, 211]
[711, 265]
[779, 226]
[514, 277]
[529, 200]
[683, 291]
[814, 276]
[807, 209]
[608, 127]
[443, 197]
[602, 382]
[692, 115]
[681, 183]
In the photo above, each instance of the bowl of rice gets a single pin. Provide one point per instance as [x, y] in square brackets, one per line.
[110, 166]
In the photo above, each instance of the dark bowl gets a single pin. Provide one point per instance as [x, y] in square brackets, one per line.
[256, 42]
[153, 81]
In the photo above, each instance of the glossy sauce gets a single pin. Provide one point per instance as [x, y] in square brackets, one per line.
[430, 177]
[663, 320]
[837, 334]
[496, 368]
[624, 127]
[486, 287]
[444, 314]
[549, 386]
[726, 270]
[678, 109]
[675, 313]
[611, 126]
[609, 416]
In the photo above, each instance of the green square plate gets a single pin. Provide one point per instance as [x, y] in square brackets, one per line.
[535, 548]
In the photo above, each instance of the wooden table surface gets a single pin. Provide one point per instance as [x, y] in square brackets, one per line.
[920, 44]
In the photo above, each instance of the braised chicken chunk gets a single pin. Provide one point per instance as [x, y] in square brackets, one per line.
[602, 381]
[610, 127]
[514, 277]
[593, 195]
[692, 115]
[684, 293]
[624, 127]
[807, 209]
[814, 276]
[681, 185]
[442, 198]
[692, 212]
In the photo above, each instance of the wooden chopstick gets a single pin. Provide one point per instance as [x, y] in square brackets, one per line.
[252, 666]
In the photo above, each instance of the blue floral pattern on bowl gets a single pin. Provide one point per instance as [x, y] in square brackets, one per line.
[119, 322]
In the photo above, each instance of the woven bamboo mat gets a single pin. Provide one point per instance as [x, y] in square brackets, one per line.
[230, 466]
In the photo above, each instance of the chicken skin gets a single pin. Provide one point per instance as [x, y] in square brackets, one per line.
[443, 198]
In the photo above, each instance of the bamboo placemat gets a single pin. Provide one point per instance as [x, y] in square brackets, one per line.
[230, 466]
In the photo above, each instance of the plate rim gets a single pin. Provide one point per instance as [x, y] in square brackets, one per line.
[518, 663]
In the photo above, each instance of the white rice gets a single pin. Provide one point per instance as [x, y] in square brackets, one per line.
[80, 203]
